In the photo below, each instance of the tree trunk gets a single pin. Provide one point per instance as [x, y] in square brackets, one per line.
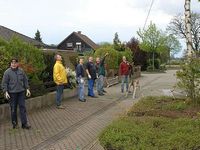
[188, 28]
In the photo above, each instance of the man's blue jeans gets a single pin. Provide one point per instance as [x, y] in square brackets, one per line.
[100, 82]
[90, 87]
[81, 90]
[124, 79]
[18, 99]
[59, 94]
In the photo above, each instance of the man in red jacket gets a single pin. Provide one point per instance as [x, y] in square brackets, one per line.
[124, 72]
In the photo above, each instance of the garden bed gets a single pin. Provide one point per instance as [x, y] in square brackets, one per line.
[155, 123]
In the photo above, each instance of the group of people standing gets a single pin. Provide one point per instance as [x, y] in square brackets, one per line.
[15, 84]
[94, 71]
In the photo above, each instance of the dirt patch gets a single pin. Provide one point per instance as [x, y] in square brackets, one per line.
[169, 108]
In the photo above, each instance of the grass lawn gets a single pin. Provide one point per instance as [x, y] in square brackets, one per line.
[155, 123]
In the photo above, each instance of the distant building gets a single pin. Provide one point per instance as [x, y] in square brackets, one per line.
[7, 34]
[77, 41]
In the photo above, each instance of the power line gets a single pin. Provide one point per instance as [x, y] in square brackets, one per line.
[148, 14]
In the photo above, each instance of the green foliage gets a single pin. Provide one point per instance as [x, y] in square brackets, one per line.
[47, 73]
[173, 44]
[5, 58]
[4, 63]
[117, 42]
[112, 59]
[163, 67]
[38, 36]
[153, 40]
[189, 79]
[151, 133]
[175, 62]
[146, 127]
[3, 42]
[30, 57]
[156, 63]
[74, 59]
[127, 52]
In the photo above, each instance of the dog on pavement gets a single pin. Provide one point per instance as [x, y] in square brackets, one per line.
[135, 84]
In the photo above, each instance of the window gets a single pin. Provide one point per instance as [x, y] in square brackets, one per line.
[69, 45]
[78, 46]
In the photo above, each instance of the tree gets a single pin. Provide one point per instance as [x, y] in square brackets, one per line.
[139, 56]
[38, 36]
[177, 27]
[152, 40]
[117, 42]
[173, 44]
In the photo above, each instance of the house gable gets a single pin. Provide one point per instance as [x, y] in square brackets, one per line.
[77, 42]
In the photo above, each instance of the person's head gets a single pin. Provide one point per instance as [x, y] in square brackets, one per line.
[97, 60]
[58, 57]
[81, 60]
[14, 63]
[124, 59]
[90, 59]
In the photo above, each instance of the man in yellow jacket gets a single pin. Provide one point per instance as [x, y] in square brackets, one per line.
[60, 78]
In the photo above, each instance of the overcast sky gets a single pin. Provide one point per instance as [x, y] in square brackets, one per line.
[98, 19]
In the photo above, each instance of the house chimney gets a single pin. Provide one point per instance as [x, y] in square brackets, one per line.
[79, 32]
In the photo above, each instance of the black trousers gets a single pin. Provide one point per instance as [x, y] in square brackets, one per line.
[15, 100]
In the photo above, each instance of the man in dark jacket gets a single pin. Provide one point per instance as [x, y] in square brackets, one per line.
[14, 85]
[100, 67]
[80, 79]
[91, 73]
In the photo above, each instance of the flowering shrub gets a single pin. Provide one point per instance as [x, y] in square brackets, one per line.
[71, 77]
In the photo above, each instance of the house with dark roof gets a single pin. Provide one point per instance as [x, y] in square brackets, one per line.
[7, 34]
[77, 41]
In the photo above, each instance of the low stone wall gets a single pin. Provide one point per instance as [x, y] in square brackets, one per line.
[35, 103]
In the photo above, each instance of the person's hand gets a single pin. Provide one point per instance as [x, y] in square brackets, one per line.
[7, 96]
[28, 93]
[89, 76]
[81, 80]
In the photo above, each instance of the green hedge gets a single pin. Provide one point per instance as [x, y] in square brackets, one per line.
[115, 57]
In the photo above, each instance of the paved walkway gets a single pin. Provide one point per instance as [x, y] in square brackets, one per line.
[78, 126]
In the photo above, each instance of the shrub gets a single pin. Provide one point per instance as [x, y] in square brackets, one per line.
[189, 79]
[30, 57]
[115, 57]
[150, 68]
[151, 133]
[156, 63]
[47, 73]
[163, 67]
[5, 60]
[74, 60]
[112, 58]
[151, 124]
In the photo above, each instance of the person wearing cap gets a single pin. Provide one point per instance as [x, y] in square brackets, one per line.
[15, 86]
[60, 78]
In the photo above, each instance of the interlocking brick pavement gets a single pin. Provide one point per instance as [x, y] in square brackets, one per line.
[78, 125]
